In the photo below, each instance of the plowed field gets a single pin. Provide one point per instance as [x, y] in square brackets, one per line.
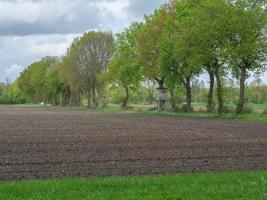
[55, 142]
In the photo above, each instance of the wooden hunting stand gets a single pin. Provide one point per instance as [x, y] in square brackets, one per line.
[161, 98]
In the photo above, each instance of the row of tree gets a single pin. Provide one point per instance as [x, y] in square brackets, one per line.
[178, 42]
[183, 39]
[256, 93]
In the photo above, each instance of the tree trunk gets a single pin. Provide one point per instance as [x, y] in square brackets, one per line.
[125, 101]
[44, 98]
[89, 98]
[211, 90]
[240, 106]
[188, 95]
[70, 100]
[173, 102]
[78, 100]
[54, 100]
[94, 95]
[60, 98]
[160, 103]
[219, 91]
[160, 82]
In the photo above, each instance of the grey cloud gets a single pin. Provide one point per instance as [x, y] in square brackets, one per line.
[48, 17]
[26, 17]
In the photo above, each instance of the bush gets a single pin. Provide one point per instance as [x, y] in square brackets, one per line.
[183, 108]
[247, 110]
[202, 110]
[227, 110]
[265, 111]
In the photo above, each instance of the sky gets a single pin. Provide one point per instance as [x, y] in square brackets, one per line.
[33, 29]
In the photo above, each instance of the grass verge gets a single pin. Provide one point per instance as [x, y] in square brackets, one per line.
[203, 186]
[230, 116]
[116, 109]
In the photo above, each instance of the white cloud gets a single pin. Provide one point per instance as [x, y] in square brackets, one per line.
[23, 50]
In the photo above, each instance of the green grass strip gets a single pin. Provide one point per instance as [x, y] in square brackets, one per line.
[203, 186]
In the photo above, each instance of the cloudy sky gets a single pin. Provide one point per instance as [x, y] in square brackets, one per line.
[32, 29]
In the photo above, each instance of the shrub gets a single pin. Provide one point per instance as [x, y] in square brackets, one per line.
[247, 110]
[265, 111]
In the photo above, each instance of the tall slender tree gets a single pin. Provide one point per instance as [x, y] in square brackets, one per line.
[94, 52]
[248, 45]
[124, 68]
[205, 23]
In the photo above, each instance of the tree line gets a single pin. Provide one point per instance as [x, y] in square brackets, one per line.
[170, 48]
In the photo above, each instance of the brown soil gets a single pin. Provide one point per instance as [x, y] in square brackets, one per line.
[53, 142]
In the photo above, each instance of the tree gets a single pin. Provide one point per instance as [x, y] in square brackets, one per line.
[32, 81]
[248, 45]
[11, 94]
[70, 76]
[148, 47]
[53, 84]
[85, 60]
[210, 20]
[206, 21]
[2, 88]
[94, 52]
[179, 56]
[124, 68]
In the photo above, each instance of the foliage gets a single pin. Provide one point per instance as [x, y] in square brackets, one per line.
[87, 58]
[124, 68]
[10, 94]
[148, 44]
[32, 81]
[247, 49]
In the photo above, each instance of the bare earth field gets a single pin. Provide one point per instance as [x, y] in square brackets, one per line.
[55, 142]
